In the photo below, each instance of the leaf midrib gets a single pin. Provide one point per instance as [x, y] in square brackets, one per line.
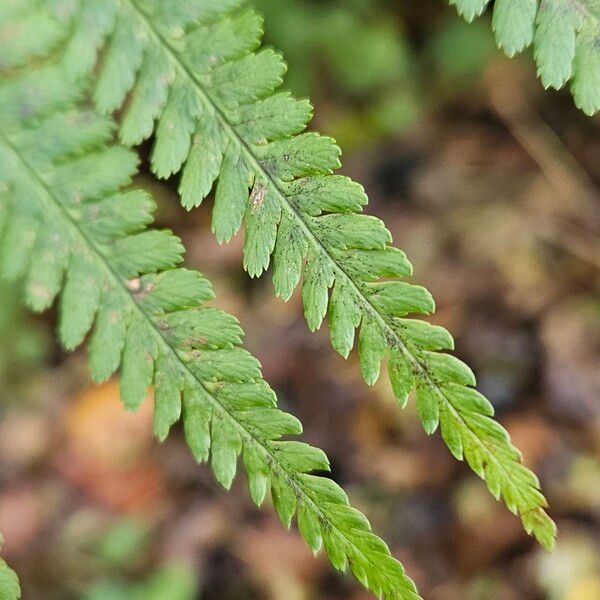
[118, 282]
[401, 344]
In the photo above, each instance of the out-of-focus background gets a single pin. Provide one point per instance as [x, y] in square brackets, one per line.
[491, 185]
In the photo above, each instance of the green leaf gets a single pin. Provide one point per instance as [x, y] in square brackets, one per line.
[203, 164]
[218, 104]
[19, 236]
[196, 423]
[9, 583]
[401, 377]
[318, 278]
[304, 154]
[445, 367]
[119, 215]
[290, 249]
[428, 406]
[513, 22]
[272, 118]
[80, 298]
[309, 527]
[226, 446]
[146, 252]
[248, 78]
[258, 474]
[334, 546]
[564, 35]
[201, 328]
[149, 97]
[173, 290]
[450, 426]
[262, 217]
[315, 195]
[230, 364]
[425, 335]
[399, 298]
[470, 9]
[554, 42]
[231, 197]
[137, 371]
[284, 500]
[174, 132]
[49, 260]
[168, 384]
[93, 21]
[298, 209]
[151, 319]
[344, 318]
[120, 64]
[223, 40]
[300, 456]
[370, 265]
[371, 350]
[348, 230]
[93, 176]
[28, 33]
[108, 338]
[585, 86]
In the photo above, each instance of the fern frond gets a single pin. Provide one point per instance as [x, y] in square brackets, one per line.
[219, 117]
[70, 231]
[564, 34]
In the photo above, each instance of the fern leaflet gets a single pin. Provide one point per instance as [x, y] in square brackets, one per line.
[69, 230]
[564, 34]
[9, 582]
[196, 68]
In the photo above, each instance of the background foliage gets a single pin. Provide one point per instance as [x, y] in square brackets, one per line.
[508, 250]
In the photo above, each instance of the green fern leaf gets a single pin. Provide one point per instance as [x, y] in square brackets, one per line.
[87, 242]
[564, 35]
[296, 211]
[28, 29]
[9, 582]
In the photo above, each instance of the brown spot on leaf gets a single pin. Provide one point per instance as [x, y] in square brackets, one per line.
[258, 194]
